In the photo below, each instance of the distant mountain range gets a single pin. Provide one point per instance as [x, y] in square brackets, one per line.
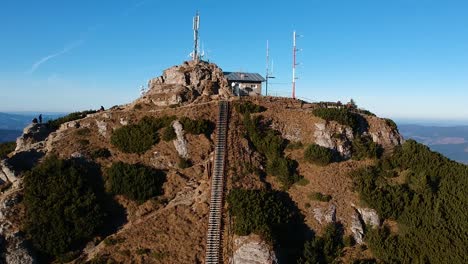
[12, 124]
[450, 141]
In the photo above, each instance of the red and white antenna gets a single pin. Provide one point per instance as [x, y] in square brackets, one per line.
[294, 78]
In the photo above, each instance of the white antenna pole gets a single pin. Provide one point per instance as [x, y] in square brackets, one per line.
[196, 27]
[294, 66]
[267, 68]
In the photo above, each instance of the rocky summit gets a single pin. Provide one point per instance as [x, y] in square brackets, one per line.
[298, 182]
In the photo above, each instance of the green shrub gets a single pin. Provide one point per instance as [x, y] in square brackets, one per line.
[342, 116]
[101, 153]
[168, 134]
[391, 123]
[83, 142]
[324, 249]
[184, 163]
[366, 112]
[248, 107]
[62, 208]
[257, 211]
[6, 148]
[138, 107]
[270, 144]
[303, 182]
[135, 181]
[295, 145]
[140, 137]
[83, 131]
[430, 206]
[363, 147]
[317, 196]
[56, 123]
[111, 241]
[319, 155]
[143, 251]
[197, 127]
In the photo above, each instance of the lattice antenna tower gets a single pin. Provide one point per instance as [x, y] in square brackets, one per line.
[196, 40]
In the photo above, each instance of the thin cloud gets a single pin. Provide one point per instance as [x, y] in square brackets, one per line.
[43, 60]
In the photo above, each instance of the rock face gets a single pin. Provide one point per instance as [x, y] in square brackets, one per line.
[360, 218]
[357, 227]
[334, 136]
[325, 216]
[187, 82]
[250, 250]
[7, 174]
[369, 216]
[180, 143]
[33, 135]
[384, 134]
[13, 242]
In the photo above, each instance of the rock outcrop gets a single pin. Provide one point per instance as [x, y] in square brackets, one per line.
[383, 133]
[33, 137]
[7, 174]
[186, 83]
[360, 218]
[251, 250]
[180, 143]
[325, 216]
[334, 136]
[13, 241]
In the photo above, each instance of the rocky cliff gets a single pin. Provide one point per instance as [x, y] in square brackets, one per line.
[171, 228]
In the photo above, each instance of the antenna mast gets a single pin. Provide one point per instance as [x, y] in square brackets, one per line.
[294, 78]
[268, 72]
[196, 27]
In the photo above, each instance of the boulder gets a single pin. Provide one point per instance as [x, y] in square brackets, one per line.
[357, 228]
[180, 143]
[252, 250]
[6, 173]
[325, 216]
[360, 218]
[369, 216]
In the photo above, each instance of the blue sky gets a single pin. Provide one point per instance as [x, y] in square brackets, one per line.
[400, 59]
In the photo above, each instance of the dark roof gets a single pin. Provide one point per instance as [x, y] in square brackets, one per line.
[244, 77]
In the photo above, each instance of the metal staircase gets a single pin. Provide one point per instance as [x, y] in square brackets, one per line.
[214, 236]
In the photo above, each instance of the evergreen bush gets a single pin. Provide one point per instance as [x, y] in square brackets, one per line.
[430, 205]
[319, 155]
[342, 116]
[248, 107]
[6, 148]
[62, 206]
[140, 137]
[364, 147]
[56, 123]
[135, 181]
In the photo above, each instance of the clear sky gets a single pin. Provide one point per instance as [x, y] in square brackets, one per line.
[397, 58]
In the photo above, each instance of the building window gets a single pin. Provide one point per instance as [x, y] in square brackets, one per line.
[254, 86]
